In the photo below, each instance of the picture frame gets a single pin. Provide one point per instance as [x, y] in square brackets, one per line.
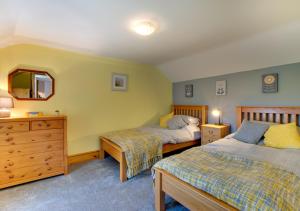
[119, 82]
[189, 90]
[221, 88]
[270, 83]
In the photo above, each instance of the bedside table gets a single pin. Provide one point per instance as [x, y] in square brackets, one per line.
[212, 132]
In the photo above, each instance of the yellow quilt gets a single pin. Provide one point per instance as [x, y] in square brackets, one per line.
[243, 183]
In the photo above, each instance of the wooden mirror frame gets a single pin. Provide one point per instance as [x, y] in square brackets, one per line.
[10, 77]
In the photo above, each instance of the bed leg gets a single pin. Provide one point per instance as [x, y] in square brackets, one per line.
[159, 194]
[123, 168]
[101, 151]
[101, 154]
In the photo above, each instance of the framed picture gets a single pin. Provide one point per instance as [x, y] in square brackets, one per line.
[221, 87]
[119, 82]
[270, 83]
[189, 90]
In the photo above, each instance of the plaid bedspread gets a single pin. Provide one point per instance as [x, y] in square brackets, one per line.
[243, 183]
[142, 149]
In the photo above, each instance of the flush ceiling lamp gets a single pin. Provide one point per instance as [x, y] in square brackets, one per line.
[144, 28]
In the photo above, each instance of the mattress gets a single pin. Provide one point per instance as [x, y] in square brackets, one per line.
[288, 159]
[187, 133]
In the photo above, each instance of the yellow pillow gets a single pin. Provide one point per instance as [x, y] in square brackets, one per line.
[283, 136]
[164, 120]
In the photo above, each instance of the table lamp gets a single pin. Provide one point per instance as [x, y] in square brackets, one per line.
[217, 113]
[6, 104]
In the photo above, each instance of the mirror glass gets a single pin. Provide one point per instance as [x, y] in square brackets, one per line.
[31, 85]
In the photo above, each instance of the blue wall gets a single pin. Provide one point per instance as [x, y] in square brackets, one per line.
[244, 88]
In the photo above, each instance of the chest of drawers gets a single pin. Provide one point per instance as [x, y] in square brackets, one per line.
[32, 148]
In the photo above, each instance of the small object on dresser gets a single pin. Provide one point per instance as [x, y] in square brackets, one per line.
[57, 112]
[6, 104]
[213, 132]
[34, 114]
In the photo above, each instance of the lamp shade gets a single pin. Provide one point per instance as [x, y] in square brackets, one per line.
[216, 112]
[6, 103]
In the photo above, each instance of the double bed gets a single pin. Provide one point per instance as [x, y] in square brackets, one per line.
[231, 175]
[172, 139]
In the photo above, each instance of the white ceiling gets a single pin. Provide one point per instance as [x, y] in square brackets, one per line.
[190, 30]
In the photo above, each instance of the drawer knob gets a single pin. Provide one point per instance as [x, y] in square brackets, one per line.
[48, 125]
[40, 174]
[11, 163]
[210, 132]
[11, 176]
[10, 151]
[10, 127]
[49, 146]
[50, 168]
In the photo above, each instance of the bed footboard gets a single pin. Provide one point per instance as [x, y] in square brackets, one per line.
[185, 194]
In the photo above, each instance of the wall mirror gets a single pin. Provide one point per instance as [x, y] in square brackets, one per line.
[30, 84]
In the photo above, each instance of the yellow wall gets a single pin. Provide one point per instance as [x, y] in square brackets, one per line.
[83, 92]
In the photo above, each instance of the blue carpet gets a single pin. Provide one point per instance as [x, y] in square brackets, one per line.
[90, 186]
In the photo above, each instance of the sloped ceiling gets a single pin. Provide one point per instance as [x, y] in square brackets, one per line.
[196, 38]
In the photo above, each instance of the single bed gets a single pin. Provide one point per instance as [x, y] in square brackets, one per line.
[193, 196]
[114, 150]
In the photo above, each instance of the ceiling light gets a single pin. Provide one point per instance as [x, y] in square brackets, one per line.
[144, 28]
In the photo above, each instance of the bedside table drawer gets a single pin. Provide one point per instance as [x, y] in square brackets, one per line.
[211, 132]
[208, 140]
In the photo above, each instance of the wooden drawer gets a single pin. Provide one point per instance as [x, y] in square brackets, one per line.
[211, 131]
[30, 160]
[30, 173]
[209, 139]
[46, 124]
[31, 137]
[27, 149]
[11, 127]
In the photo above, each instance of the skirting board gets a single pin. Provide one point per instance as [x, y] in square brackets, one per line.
[82, 157]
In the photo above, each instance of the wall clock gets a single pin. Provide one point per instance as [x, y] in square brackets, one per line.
[270, 83]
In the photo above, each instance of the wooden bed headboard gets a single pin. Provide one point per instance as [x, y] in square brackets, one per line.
[280, 115]
[198, 111]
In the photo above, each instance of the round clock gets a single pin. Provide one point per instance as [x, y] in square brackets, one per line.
[269, 79]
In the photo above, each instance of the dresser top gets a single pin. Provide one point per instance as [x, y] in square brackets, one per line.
[25, 118]
[216, 126]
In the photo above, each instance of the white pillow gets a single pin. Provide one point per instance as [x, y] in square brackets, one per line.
[189, 119]
[194, 130]
[176, 123]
